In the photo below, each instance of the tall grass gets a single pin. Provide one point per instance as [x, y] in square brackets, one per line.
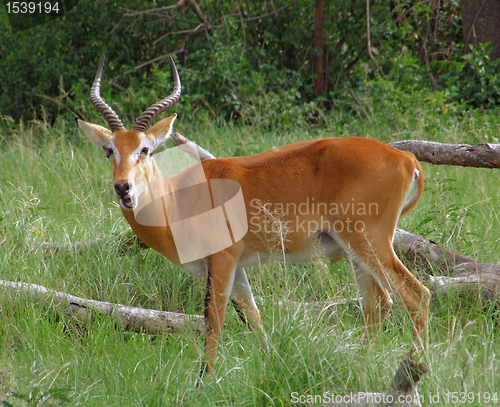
[56, 186]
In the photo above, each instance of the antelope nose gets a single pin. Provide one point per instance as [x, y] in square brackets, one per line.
[122, 190]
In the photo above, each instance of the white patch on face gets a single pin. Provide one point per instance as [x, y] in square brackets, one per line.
[116, 154]
[145, 143]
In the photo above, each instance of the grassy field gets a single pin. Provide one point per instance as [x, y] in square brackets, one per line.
[55, 186]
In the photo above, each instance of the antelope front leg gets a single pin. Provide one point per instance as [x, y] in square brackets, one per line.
[220, 280]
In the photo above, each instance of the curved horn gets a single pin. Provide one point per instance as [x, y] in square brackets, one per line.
[95, 97]
[145, 119]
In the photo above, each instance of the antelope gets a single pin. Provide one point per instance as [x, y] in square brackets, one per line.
[336, 197]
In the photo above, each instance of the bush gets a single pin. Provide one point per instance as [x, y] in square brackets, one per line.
[475, 80]
[255, 72]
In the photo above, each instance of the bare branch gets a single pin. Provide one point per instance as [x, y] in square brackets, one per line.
[194, 6]
[463, 275]
[472, 29]
[377, 39]
[184, 32]
[359, 104]
[130, 318]
[467, 275]
[203, 27]
[408, 11]
[152, 61]
[423, 49]
[318, 62]
[273, 13]
[133, 13]
[464, 155]
[189, 3]
[178, 139]
[242, 28]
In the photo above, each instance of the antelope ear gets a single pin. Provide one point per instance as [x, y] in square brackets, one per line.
[161, 130]
[99, 135]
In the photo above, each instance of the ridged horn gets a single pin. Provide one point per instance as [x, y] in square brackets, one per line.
[145, 119]
[102, 107]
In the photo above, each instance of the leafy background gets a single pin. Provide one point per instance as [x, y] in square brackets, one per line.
[256, 72]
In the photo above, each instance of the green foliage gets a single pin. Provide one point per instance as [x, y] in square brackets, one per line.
[475, 80]
[256, 72]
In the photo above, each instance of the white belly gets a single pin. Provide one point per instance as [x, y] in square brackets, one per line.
[322, 246]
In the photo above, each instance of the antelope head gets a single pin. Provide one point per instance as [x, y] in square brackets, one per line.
[130, 151]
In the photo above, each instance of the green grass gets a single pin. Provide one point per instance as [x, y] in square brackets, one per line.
[56, 186]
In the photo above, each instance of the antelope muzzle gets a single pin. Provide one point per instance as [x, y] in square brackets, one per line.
[125, 194]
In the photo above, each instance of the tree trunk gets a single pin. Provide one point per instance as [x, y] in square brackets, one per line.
[461, 273]
[464, 155]
[130, 318]
[480, 24]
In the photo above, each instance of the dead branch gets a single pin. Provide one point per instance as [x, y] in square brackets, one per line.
[152, 61]
[358, 102]
[446, 271]
[203, 26]
[132, 13]
[402, 391]
[468, 274]
[196, 9]
[423, 49]
[318, 61]
[196, 30]
[377, 39]
[178, 139]
[480, 156]
[272, 13]
[240, 12]
[456, 271]
[130, 318]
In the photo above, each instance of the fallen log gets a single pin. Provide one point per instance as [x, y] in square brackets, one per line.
[464, 155]
[402, 391]
[457, 272]
[447, 270]
[130, 318]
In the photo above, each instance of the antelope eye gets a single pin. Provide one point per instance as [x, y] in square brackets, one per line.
[145, 151]
[108, 151]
